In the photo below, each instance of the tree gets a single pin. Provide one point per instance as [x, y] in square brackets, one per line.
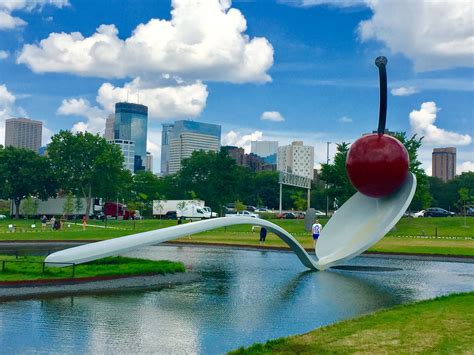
[422, 198]
[24, 173]
[463, 200]
[144, 189]
[299, 200]
[239, 206]
[335, 176]
[86, 165]
[211, 176]
[29, 207]
[68, 207]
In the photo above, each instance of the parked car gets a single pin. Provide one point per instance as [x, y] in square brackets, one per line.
[437, 212]
[319, 213]
[2, 216]
[300, 215]
[262, 209]
[243, 214]
[417, 214]
[251, 208]
[171, 215]
[470, 211]
[287, 215]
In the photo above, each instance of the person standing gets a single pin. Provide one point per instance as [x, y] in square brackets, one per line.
[84, 222]
[263, 235]
[52, 221]
[44, 220]
[316, 229]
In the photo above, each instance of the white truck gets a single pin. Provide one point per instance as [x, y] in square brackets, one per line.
[57, 206]
[190, 209]
[244, 214]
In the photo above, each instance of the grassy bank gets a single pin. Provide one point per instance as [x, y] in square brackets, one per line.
[441, 325]
[31, 268]
[439, 229]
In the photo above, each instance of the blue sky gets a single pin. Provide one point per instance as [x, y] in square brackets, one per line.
[277, 70]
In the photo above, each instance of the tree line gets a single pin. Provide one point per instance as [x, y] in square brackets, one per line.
[83, 165]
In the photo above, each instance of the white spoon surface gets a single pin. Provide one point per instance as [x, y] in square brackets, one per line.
[360, 223]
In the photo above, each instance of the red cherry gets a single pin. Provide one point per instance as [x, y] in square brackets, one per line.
[377, 164]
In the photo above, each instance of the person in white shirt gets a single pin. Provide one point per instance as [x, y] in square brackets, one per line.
[316, 228]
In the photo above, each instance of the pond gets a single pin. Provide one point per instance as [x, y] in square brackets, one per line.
[244, 296]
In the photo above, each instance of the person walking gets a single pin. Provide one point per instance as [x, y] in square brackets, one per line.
[52, 221]
[263, 235]
[316, 229]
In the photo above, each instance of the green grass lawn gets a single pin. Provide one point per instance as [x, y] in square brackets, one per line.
[31, 268]
[241, 234]
[442, 325]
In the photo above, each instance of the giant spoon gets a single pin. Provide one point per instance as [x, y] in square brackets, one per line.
[377, 166]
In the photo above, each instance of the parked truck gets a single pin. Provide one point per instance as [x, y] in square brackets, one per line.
[57, 207]
[77, 207]
[189, 209]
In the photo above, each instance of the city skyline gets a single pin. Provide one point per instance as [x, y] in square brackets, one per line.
[312, 80]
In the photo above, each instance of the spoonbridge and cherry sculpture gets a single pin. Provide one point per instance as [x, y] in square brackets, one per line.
[377, 166]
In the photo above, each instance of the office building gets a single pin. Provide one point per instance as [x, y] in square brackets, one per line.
[149, 162]
[165, 147]
[128, 151]
[23, 133]
[130, 124]
[251, 161]
[297, 159]
[444, 163]
[185, 137]
[265, 149]
[109, 127]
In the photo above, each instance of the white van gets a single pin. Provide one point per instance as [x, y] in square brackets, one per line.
[193, 212]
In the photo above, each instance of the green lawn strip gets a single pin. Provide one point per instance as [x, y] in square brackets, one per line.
[23, 268]
[441, 325]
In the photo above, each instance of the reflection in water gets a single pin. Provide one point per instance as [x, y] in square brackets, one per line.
[243, 297]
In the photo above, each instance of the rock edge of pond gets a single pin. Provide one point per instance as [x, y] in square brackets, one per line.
[118, 285]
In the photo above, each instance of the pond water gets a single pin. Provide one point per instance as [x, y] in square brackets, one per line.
[243, 297]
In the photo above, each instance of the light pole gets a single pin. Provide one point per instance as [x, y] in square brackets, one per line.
[327, 162]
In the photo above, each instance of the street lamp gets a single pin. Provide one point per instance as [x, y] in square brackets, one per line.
[326, 185]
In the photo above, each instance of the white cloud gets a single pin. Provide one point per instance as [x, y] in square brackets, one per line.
[81, 107]
[422, 123]
[433, 34]
[465, 167]
[172, 100]
[274, 116]
[404, 91]
[8, 22]
[345, 119]
[241, 140]
[338, 3]
[8, 109]
[203, 40]
[4, 54]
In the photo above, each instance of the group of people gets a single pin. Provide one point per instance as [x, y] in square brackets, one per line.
[57, 224]
[315, 229]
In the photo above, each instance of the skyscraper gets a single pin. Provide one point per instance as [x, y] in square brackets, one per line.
[444, 163]
[149, 162]
[265, 149]
[128, 151]
[182, 138]
[131, 121]
[165, 147]
[23, 133]
[109, 127]
[297, 159]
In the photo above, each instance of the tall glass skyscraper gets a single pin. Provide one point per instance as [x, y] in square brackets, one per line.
[181, 139]
[131, 121]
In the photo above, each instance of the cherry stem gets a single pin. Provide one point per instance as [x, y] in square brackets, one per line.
[381, 63]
